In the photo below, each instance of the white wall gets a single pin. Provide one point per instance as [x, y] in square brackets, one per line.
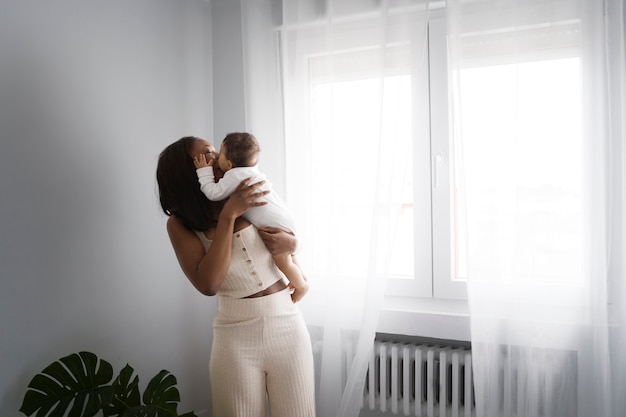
[90, 93]
[246, 80]
[228, 72]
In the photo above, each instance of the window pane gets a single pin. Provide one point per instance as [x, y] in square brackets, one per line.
[347, 124]
[521, 182]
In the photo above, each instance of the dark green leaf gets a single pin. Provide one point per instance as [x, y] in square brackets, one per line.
[161, 391]
[78, 380]
[126, 393]
[78, 386]
[160, 398]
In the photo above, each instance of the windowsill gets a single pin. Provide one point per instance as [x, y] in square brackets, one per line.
[414, 317]
[425, 317]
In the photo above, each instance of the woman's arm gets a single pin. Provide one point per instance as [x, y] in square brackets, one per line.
[277, 241]
[206, 271]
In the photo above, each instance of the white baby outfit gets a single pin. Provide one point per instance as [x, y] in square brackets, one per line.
[274, 214]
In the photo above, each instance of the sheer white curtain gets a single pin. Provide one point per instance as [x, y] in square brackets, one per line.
[538, 109]
[346, 71]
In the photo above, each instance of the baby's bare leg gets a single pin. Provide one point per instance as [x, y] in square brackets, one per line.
[293, 273]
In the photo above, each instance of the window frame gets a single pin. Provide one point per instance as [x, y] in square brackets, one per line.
[431, 276]
[445, 284]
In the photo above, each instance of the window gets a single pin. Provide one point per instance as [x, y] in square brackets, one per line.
[358, 79]
[517, 172]
[355, 134]
[443, 177]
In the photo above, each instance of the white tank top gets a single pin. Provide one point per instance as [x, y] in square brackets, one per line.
[252, 268]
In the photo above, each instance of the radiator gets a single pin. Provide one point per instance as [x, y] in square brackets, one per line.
[420, 380]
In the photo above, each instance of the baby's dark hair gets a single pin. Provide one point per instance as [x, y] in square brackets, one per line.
[241, 148]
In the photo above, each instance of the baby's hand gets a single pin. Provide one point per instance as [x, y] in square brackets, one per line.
[201, 162]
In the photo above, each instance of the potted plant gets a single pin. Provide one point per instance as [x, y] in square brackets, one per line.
[83, 384]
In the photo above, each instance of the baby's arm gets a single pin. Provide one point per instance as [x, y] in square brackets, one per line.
[216, 191]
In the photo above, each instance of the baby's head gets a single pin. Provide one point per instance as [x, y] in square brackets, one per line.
[239, 149]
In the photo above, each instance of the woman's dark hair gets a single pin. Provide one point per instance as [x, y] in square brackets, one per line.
[242, 149]
[179, 190]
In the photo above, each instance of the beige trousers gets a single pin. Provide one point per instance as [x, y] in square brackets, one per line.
[261, 350]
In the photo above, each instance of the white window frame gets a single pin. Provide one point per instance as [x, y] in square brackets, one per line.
[445, 284]
[432, 260]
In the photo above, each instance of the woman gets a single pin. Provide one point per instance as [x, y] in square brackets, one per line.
[261, 346]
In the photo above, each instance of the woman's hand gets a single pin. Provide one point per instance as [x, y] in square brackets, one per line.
[245, 197]
[277, 241]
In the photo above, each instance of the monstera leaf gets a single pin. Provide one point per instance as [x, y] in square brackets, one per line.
[81, 383]
[126, 393]
[160, 399]
[161, 393]
[78, 382]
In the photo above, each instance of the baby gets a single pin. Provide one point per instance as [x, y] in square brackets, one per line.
[238, 160]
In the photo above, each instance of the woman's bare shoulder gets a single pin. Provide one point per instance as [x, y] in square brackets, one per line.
[174, 224]
[177, 230]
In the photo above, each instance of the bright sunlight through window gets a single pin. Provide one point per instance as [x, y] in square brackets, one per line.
[347, 122]
[523, 172]
[522, 167]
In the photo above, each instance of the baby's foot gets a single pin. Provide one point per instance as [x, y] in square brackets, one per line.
[299, 293]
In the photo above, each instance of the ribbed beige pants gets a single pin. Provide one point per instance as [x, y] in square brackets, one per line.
[261, 349]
